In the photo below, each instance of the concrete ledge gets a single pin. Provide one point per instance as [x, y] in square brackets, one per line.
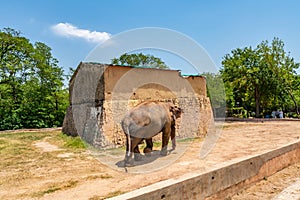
[222, 182]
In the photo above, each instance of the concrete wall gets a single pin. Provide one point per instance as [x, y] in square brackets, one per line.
[84, 80]
[125, 81]
[100, 95]
[222, 182]
[82, 96]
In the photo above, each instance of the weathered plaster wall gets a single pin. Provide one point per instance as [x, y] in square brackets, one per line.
[98, 108]
[82, 96]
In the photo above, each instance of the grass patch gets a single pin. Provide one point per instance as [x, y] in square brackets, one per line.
[25, 136]
[18, 155]
[102, 176]
[56, 187]
[67, 142]
[16, 147]
[72, 142]
[21, 162]
[109, 195]
[113, 194]
[186, 140]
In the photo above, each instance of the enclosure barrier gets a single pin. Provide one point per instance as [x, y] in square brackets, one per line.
[221, 182]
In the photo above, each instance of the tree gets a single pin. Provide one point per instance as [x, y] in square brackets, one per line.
[283, 68]
[243, 71]
[14, 64]
[263, 77]
[216, 93]
[140, 60]
[31, 84]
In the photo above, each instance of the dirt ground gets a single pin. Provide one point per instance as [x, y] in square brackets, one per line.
[39, 165]
[272, 186]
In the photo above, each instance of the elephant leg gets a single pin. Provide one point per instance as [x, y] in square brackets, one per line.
[149, 147]
[135, 148]
[173, 130]
[149, 143]
[137, 154]
[130, 149]
[165, 139]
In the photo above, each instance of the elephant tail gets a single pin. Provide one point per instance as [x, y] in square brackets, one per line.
[129, 141]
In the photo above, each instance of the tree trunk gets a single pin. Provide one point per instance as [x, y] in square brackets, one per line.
[294, 100]
[257, 102]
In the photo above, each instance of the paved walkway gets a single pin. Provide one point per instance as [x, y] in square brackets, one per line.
[291, 193]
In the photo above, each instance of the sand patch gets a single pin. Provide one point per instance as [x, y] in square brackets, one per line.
[46, 146]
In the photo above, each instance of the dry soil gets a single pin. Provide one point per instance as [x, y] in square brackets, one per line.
[48, 170]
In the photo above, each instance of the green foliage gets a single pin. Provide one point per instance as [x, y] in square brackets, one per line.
[261, 79]
[72, 142]
[216, 93]
[140, 60]
[31, 84]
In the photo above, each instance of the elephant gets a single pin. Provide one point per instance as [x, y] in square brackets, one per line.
[145, 121]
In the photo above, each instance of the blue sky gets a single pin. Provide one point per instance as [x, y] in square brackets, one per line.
[70, 27]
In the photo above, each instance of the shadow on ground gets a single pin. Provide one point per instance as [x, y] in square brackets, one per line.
[146, 159]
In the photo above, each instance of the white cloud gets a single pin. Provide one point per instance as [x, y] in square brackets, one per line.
[69, 30]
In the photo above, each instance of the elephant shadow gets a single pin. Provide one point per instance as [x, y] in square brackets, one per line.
[155, 154]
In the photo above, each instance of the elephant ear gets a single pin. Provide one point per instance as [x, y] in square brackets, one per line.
[175, 111]
[171, 110]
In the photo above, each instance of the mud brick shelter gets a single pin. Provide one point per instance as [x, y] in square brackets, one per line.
[101, 94]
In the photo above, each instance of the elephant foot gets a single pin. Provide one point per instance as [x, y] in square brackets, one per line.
[147, 152]
[128, 162]
[164, 152]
